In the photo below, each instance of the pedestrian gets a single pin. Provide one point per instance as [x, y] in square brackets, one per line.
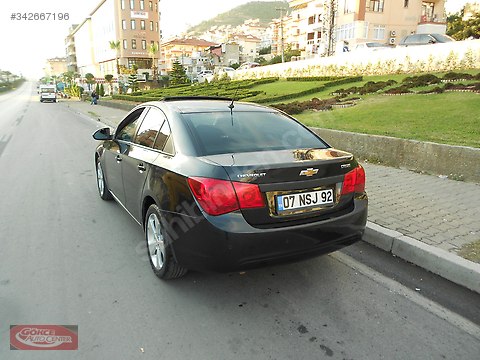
[345, 46]
[94, 98]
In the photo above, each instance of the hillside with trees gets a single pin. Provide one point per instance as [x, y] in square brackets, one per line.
[265, 11]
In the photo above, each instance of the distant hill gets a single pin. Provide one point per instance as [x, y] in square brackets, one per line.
[262, 10]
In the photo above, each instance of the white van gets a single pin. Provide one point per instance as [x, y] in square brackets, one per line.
[48, 93]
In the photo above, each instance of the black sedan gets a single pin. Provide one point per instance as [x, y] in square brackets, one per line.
[226, 186]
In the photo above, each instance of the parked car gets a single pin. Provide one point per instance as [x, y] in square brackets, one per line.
[372, 46]
[225, 70]
[248, 65]
[424, 39]
[204, 75]
[219, 185]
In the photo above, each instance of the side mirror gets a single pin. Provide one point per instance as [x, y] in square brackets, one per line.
[102, 134]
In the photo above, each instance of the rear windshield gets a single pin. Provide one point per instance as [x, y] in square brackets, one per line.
[223, 133]
[47, 90]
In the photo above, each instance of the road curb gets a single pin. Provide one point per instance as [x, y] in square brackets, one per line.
[431, 258]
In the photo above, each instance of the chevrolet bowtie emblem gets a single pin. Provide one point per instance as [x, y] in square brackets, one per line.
[308, 172]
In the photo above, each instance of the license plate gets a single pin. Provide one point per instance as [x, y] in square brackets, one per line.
[304, 200]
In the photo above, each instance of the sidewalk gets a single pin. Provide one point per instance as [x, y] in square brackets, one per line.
[423, 219]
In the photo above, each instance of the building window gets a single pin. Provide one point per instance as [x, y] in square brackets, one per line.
[150, 6]
[349, 6]
[405, 3]
[132, 4]
[134, 44]
[132, 24]
[156, 26]
[378, 32]
[142, 24]
[376, 5]
[122, 4]
[142, 5]
[346, 31]
[124, 24]
[125, 44]
[144, 44]
[151, 25]
[152, 42]
[141, 63]
[311, 20]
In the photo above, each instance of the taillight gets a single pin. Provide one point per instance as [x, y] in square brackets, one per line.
[219, 197]
[249, 195]
[354, 181]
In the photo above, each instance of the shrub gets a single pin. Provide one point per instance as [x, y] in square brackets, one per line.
[402, 89]
[452, 76]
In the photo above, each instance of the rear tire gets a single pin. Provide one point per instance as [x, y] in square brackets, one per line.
[102, 187]
[159, 248]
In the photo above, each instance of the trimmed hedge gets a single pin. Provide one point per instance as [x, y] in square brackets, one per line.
[309, 91]
[298, 107]
[314, 78]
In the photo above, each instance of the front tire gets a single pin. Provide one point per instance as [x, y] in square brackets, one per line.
[102, 187]
[159, 248]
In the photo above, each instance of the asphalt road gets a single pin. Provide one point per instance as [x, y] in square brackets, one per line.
[69, 258]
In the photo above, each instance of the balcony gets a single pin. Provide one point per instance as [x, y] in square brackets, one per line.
[431, 25]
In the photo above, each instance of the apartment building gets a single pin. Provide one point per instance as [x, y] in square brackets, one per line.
[322, 26]
[55, 66]
[134, 23]
[191, 53]
[70, 51]
[225, 54]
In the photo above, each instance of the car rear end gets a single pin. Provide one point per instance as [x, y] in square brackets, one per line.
[284, 195]
[48, 93]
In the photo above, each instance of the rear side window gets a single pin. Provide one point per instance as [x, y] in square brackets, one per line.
[162, 138]
[148, 130]
[222, 132]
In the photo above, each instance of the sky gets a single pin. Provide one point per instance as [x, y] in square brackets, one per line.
[28, 44]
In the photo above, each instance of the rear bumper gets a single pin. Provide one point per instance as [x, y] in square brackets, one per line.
[228, 243]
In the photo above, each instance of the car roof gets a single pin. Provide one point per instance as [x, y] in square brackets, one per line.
[185, 105]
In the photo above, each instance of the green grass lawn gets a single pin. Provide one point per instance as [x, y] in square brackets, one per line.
[449, 118]
[284, 87]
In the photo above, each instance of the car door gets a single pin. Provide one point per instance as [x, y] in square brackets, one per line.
[115, 152]
[138, 160]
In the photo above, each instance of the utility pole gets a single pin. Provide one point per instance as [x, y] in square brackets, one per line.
[281, 33]
[328, 32]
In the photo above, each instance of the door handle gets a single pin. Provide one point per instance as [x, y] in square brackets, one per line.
[118, 158]
[141, 167]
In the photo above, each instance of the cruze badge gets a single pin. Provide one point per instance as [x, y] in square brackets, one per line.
[308, 172]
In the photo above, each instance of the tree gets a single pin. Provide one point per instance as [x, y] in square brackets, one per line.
[152, 51]
[115, 45]
[90, 80]
[177, 75]
[108, 79]
[101, 91]
[461, 29]
[133, 82]
[265, 50]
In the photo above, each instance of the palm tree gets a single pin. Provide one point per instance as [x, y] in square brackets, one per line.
[115, 45]
[109, 78]
[152, 51]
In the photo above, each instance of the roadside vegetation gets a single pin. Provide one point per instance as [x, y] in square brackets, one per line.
[9, 81]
